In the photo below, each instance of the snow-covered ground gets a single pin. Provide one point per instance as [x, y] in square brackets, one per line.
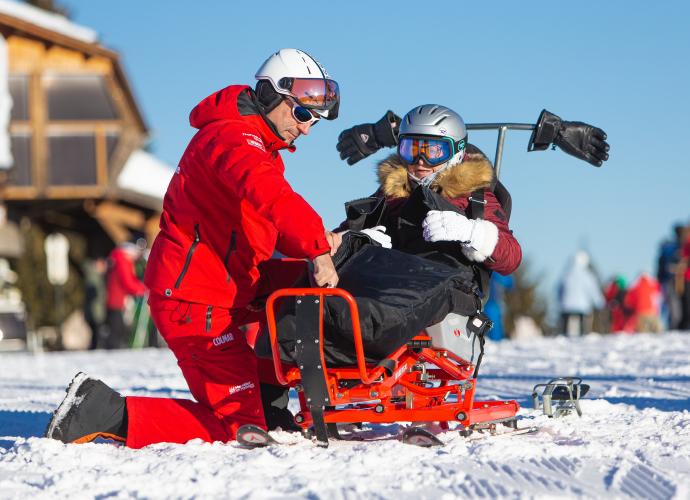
[633, 441]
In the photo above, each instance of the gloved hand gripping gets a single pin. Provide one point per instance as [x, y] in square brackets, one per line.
[578, 139]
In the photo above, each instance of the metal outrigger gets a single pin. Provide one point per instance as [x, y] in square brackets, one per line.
[501, 127]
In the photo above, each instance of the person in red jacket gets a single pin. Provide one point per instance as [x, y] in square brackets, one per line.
[227, 209]
[643, 300]
[120, 283]
[683, 283]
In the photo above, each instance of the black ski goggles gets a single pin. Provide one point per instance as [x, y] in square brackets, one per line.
[433, 149]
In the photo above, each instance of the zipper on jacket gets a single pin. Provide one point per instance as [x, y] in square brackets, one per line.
[231, 250]
[189, 256]
[208, 318]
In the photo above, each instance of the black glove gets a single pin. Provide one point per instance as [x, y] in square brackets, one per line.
[363, 140]
[575, 138]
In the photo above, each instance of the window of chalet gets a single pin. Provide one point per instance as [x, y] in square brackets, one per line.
[72, 159]
[20, 141]
[19, 90]
[78, 97]
[76, 105]
[82, 128]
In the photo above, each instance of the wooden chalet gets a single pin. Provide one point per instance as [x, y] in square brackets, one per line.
[74, 126]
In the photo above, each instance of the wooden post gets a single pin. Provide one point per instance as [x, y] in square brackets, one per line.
[37, 117]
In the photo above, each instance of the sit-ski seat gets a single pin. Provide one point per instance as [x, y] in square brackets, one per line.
[426, 380]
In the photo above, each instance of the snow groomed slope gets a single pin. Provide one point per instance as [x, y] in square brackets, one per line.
[633, 441]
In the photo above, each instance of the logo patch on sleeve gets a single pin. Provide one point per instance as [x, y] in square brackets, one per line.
[255, 141]
[252, 142]
[499, 214]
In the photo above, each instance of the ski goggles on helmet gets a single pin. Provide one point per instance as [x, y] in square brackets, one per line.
[434, 150]
[302, 115]
[318, 93]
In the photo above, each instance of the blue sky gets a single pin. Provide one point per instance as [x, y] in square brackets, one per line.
[619, 65]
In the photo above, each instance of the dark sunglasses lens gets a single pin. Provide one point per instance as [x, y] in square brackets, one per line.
[302, 115]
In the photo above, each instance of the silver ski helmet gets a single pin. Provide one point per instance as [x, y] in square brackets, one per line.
[435, 133]
[294, 73]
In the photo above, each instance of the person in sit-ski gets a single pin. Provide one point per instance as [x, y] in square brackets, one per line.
[433, 152]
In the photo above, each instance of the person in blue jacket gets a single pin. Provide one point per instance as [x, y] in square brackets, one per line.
[494, 306]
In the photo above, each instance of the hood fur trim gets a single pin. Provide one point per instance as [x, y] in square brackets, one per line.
[474, 173]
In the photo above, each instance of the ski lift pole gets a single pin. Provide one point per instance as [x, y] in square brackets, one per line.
[501, 127]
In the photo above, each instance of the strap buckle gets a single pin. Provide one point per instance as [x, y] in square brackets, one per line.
[483, 202]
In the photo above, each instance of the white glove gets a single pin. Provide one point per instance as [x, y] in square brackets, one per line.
[377, 234]
[451, 226]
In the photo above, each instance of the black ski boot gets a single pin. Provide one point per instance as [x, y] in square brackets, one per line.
[274, 399]
[90, 410]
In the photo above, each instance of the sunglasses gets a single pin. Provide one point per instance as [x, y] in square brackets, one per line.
[301, 114]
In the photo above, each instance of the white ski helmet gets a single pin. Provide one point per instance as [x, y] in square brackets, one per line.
[435, 133]
[295, 73]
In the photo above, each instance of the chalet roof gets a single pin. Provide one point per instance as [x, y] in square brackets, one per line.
[48, 21]
[54, 29]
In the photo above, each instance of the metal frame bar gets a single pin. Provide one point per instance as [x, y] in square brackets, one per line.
[564, 407]
[366, 377]
[501, 127]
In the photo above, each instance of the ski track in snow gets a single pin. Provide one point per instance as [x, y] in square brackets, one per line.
[633, 441]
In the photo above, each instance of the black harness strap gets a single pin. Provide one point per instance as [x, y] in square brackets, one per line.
[476, 204]
[476, 209]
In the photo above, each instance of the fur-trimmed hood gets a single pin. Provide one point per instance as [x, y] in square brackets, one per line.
[474, 173]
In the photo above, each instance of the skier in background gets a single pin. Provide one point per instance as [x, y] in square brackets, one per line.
[667, 274]
[494, 306]
[94, 298]
[683, 282]
[643, 300]
[578, 296]
[669, 258]
[121, 282]
[614, 292]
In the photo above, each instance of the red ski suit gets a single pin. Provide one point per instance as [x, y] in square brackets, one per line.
[227, 208]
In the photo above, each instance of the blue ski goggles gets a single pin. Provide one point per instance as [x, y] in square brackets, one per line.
[434, 150]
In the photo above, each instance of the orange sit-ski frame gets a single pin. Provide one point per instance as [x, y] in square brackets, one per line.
[370, 393]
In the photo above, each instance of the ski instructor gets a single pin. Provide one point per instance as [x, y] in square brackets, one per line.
[227, 209]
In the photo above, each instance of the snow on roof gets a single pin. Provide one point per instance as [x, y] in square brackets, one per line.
[48, 20]
[145, 174]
